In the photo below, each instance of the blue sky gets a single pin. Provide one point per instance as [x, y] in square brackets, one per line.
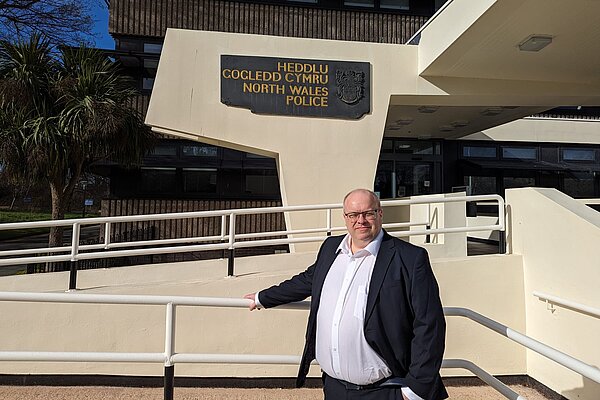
[100, 15]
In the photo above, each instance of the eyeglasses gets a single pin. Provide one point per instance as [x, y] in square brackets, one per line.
[369, 215]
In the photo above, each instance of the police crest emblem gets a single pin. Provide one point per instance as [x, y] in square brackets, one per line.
[350, 85]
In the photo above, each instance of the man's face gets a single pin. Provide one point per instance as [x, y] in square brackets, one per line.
[363, 225]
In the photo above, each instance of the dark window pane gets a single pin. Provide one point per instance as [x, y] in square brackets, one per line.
[154, 48]
[520, 153]
[580, 184]
[262, 182]
[165, 150]
[199, 180]
[383, 179]
[159, 180]
[199, 151]
[479, 152]
[147, 83]
[395, 4]
[360, 3]
[515, 182]
[579, 155]
[480, 184]
[387, 146]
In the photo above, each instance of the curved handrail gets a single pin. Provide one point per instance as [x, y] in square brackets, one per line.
[571, 305]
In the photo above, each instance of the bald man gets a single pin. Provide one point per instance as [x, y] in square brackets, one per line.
[376, 325]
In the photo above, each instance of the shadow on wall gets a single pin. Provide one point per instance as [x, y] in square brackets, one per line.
[589, 390]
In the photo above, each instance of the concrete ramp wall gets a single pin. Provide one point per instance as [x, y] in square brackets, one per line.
[491, 285]
[559, 240]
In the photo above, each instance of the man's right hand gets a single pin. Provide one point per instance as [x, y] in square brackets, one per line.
[252, 305]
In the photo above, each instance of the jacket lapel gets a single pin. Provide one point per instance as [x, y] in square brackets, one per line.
[382, 263]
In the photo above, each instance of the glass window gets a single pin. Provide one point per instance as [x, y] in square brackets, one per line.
[479, 152]
[262, 182]
[395, 4]
[200, 151]
[164, 150]
[387, 146]
[480, 184]
[257, 156]
[154, 48]
[518, 182]
[159, 180]
[579, 155]
[147, 83]
[151, 64]
[199, 180]
[359, 3]
[580, 184]
[520, 153]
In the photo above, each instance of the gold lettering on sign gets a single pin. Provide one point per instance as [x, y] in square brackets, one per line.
[304, 84]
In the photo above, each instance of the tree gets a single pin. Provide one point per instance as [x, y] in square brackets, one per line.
[59, 114]
[61, 21]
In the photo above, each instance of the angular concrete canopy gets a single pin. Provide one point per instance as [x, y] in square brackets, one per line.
[467, 65]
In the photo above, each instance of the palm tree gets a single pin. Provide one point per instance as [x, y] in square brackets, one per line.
[60, 112]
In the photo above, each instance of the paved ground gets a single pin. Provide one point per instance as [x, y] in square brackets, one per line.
[113, 393]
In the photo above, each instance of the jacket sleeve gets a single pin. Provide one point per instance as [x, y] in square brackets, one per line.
[297, 288]
[429, 329]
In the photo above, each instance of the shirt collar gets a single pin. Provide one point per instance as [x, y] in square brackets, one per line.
[372, 247]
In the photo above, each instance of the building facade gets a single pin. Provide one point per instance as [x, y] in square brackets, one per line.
[415, 164]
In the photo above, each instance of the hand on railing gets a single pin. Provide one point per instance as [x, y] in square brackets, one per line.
[252, 305]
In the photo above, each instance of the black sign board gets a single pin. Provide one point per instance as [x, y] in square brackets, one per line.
[288, 86]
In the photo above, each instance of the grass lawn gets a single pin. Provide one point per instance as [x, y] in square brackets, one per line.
[24, 216]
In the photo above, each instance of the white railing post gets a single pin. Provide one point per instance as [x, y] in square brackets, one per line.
[328, 222]
[106, 235]
[74, 254]
[231, 256]
[169, 378]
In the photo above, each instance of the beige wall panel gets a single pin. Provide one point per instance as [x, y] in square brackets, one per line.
[319, 159]
[558, 238]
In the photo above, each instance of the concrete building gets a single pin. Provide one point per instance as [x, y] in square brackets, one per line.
[471, 80]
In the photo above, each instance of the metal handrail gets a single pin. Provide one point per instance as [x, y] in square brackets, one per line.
[586, 370]
[169, 357]
[228, 240]
[571, 305]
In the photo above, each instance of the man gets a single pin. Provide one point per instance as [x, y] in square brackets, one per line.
[376, 324]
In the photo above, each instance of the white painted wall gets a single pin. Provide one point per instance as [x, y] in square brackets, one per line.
[558, 238]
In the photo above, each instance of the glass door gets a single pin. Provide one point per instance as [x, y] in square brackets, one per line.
[413, 179]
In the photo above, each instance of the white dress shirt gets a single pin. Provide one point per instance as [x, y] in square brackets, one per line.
[341, 348]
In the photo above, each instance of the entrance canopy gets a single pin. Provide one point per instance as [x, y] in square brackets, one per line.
[474, 68]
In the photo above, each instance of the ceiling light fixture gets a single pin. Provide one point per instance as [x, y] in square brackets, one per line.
[491, 111]
[428, 109]
[404, 121]
[460, 123]
[535, 42]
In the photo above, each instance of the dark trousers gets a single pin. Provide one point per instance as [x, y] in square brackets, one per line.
[335, 390]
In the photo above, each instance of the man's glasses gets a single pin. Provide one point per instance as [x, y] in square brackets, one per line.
[369, 215]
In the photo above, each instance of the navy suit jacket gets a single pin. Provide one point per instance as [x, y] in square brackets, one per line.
[404, 321]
